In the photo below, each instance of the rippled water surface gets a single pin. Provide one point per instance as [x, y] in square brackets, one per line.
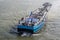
[12, 10]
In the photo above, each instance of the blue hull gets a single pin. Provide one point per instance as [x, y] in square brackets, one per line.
[32, 29]
[39, 27]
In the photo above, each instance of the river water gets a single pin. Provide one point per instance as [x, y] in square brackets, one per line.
[12, 10]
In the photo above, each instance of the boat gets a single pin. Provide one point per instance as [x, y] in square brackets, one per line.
[35, 21]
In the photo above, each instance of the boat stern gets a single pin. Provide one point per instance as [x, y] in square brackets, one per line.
[23, 28]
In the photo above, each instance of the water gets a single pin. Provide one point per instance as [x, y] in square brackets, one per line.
[12, 10]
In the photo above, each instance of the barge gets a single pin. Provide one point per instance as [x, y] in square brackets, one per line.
[35, 21]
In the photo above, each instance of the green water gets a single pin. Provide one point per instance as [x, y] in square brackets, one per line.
[12, 10]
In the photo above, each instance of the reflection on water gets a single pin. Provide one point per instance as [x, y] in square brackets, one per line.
[12, 10]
